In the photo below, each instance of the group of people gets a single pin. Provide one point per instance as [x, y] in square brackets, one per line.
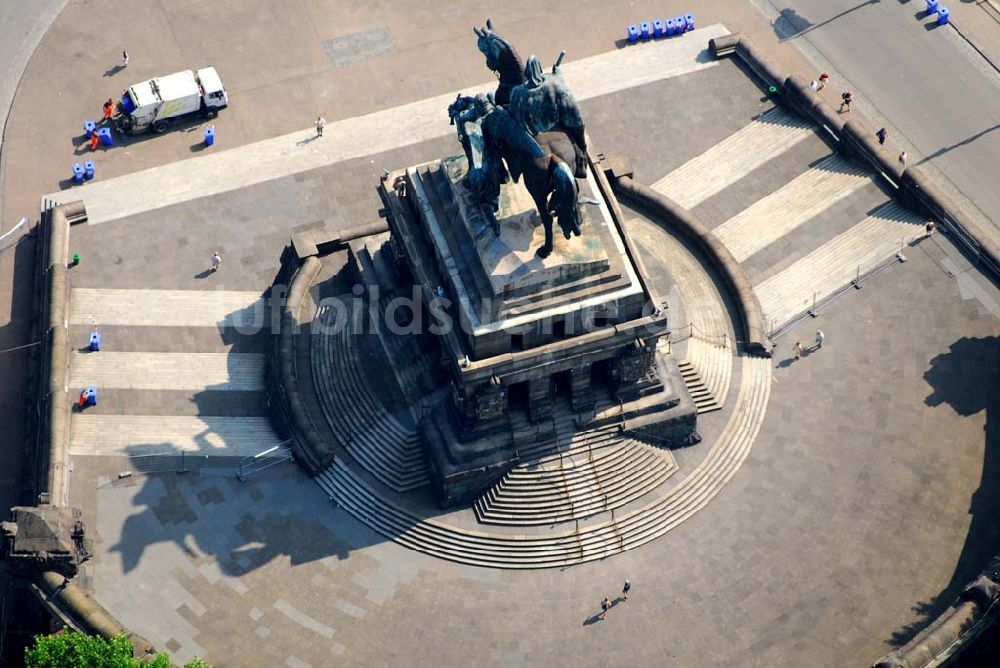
[798, 349]
[607, 603]
[846, 99]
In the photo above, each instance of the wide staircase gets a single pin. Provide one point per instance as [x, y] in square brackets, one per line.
[804, 238]
[503, 548]
[600, 470]
[384, 444]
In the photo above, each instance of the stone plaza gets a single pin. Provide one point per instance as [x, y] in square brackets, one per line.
[470, 498]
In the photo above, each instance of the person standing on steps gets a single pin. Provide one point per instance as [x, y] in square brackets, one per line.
[216, 261]
[820, 338]
[320, 124]
[625, 589]
[605, 606]
[881, 134]
[797, 349]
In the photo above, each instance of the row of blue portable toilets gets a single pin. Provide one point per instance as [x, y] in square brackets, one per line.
[660, 28]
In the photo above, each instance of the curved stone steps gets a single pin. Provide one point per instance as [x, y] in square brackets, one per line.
[621, 476]
[382, 445]
[505, 549]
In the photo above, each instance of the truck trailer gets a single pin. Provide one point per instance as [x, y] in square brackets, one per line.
[155, 103]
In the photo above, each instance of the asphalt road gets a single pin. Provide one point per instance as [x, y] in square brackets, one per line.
[937, 91]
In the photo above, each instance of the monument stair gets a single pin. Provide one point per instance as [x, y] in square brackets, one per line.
[389, 450]
[435, 184]
[575, 487]
[504, 549]
[417, 373]
[707, 371]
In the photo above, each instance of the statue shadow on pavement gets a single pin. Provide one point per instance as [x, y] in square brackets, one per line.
[967, 379]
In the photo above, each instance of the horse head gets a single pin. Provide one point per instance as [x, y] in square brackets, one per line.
[490, 45]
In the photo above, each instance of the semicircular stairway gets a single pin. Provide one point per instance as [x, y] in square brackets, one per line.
[384, 444]
[600, 470]
[636, 526]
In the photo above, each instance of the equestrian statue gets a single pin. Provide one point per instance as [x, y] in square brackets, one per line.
[530, 126]
[500, 149]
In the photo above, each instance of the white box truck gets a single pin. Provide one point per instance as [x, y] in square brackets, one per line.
[155, 103]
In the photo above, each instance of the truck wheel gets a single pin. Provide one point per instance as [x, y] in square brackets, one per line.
[159, 126]
[210, 113]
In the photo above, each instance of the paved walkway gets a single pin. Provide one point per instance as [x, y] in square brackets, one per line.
[370, 134]
[169, 371]
[166, 308]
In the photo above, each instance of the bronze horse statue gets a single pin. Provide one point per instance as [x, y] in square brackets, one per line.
[502, 59]
[508, 151]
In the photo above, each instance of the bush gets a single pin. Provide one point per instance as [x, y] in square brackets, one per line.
[78, 650]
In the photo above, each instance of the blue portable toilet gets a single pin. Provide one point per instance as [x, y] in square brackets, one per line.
[658, 28]
[932, 6]
[633, 34]
[689, 21]
[644, 30]
[105, 136]
[209, 136]
[670, 27]
[95, 341]
[944, 14]
[127, 105]
[88, 170]
[680, 23]
[91, 396]
[89, 128]
[77, 173]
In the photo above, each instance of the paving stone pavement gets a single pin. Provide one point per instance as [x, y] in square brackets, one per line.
[849, 522]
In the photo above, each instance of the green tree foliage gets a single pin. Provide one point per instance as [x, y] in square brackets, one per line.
[78, 650]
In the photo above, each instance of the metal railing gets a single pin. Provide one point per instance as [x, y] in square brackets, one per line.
[820, 303]
[695, 332]
[282, 452]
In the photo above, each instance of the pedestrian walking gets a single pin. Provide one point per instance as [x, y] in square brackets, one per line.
[929, 227]
[814, 85]
[902, 159]
[625, 589]
[846, 98]
[881, 134]
[216, 261]
[797, 349]
[605, 606]
[109, 108]
[320, 124]
[824, 79]
[820, 338]
[124, 58]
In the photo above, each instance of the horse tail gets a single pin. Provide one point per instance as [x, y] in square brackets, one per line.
[563, 201]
